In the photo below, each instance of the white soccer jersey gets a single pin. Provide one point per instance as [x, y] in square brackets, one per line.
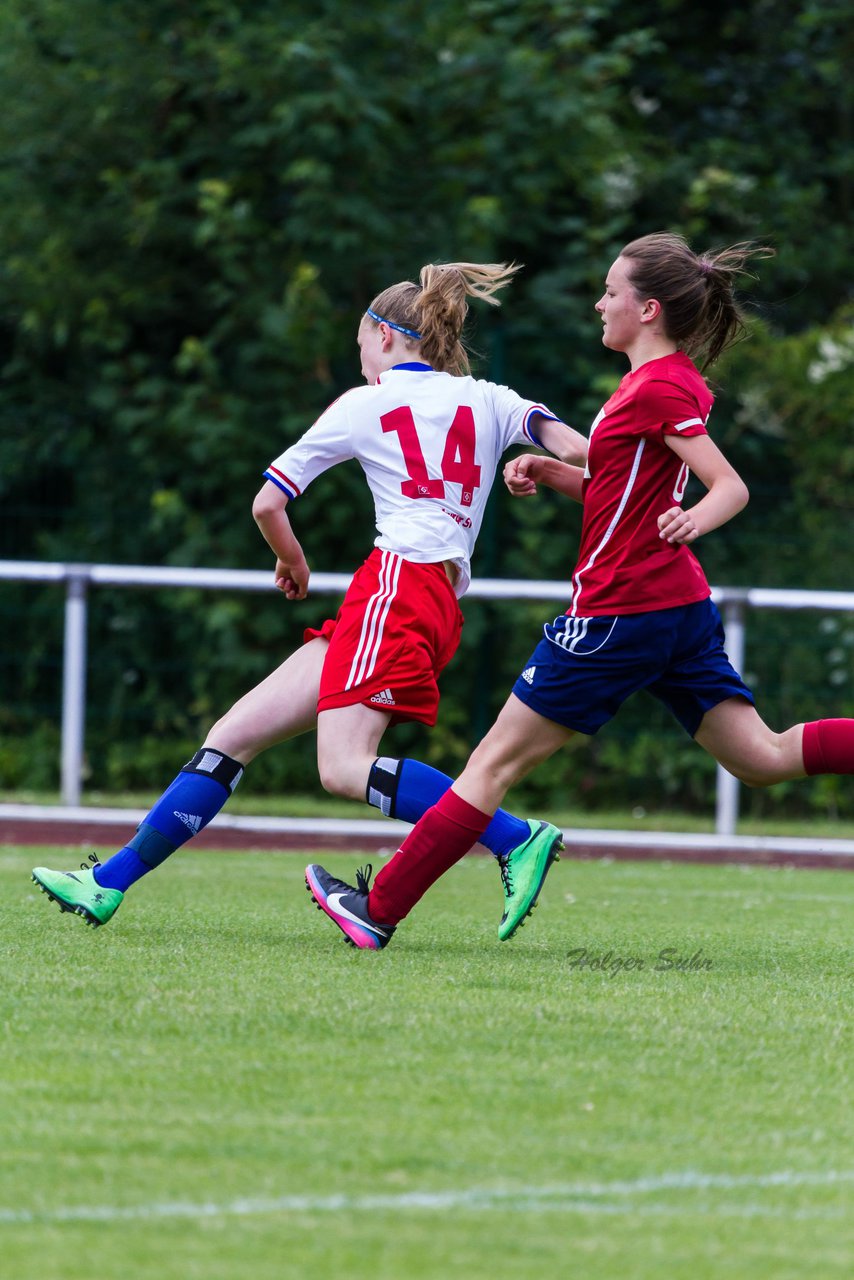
[429, 444]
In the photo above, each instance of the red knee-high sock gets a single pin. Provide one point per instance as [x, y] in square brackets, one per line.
[829, 746]
[441, 837]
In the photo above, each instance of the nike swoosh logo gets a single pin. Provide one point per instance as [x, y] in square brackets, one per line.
[334, 901]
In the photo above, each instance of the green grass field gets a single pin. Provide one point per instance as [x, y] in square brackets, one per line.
[215, 1087]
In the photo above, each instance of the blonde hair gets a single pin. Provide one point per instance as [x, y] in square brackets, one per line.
[436, 307]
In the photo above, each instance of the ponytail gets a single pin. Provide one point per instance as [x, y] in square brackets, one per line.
[696, 291]
[432, 313]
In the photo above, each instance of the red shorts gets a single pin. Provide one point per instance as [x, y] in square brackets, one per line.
[398, 627]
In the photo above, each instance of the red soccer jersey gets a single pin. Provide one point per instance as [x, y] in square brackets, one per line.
[632, 477]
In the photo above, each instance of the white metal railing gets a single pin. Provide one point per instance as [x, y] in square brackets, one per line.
[78, 578]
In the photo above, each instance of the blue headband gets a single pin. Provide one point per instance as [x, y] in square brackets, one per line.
[410, 333]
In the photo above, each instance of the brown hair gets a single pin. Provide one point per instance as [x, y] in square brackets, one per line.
[696, 291]
[437, 307]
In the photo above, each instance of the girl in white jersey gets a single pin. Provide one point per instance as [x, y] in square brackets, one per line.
[639, 614]
[428, 437]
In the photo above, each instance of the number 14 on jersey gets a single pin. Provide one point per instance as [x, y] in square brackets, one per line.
[458, 464]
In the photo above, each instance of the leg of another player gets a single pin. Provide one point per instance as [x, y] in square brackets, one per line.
[407, 788]
[282, 706]
[519, 740]
[348, 739]
[739, 739]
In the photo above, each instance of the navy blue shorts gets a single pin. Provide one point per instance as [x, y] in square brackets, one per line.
[584, 668]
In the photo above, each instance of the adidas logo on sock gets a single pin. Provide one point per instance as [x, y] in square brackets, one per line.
[191, 820]
[528, 675]
[385, 699]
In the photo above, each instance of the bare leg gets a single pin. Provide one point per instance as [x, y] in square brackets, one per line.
[348, 739]
[519, 740]
[739, 739]
[282, 706]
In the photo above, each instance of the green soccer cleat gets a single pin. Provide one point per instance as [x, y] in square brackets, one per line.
[523, 874]
[79, 892]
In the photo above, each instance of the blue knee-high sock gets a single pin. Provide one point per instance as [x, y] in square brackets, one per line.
[185, 808]
[406, 789]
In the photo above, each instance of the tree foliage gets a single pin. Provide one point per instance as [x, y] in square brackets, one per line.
[198, 200]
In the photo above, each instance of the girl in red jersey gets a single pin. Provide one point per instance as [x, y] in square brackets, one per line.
[640, 614]
[428, 438]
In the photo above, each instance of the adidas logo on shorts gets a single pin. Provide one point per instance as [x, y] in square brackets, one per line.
[528, 675]
[385, 699]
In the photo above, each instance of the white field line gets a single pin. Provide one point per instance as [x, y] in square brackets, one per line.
[619, 1197]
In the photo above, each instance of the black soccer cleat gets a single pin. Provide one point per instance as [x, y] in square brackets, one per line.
[348, 907]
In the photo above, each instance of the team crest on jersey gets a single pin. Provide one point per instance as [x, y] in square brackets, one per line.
[528, 675]
[383, 699]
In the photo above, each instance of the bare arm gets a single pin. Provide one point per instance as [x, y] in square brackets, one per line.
[524, 474]
[563, 441]
[292, 571]
[726, 494]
